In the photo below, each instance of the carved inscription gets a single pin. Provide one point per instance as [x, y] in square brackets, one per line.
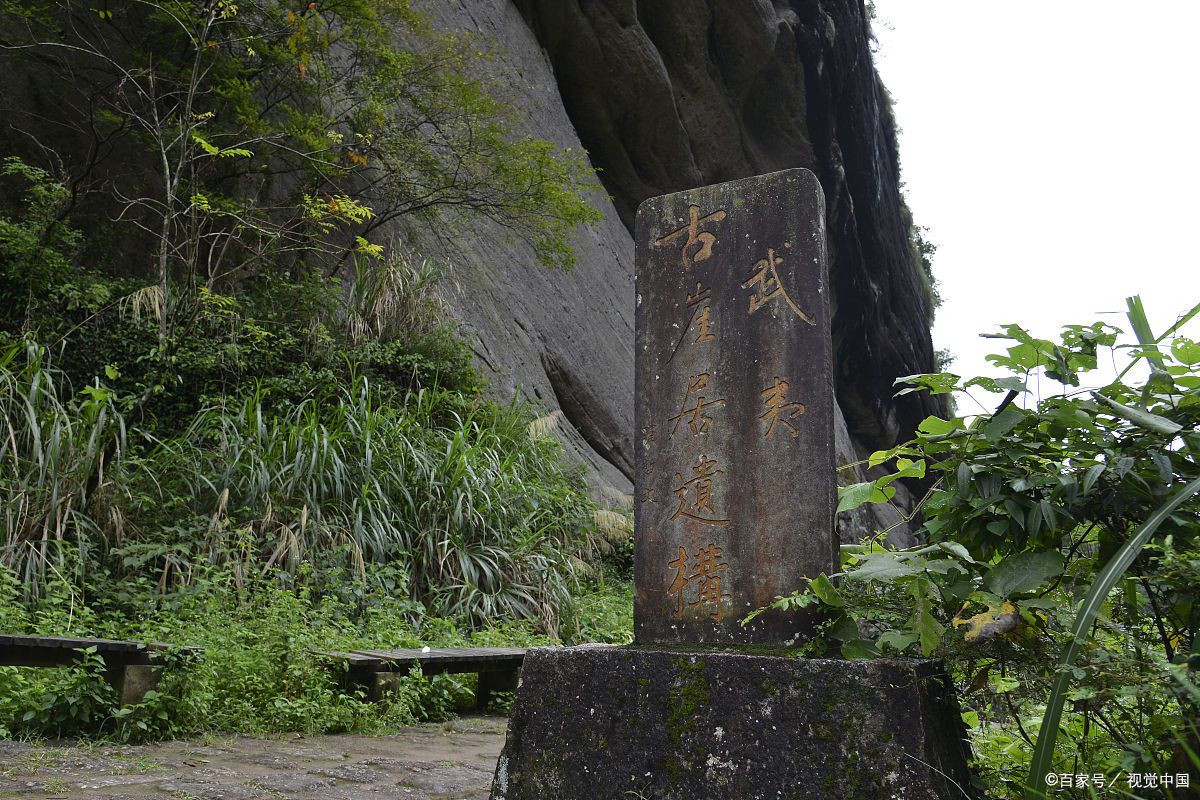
[765, 286]
[710, 600]
[699, 244]
[779, 410]
[696, 494]
[735, 480]
[696, 415]
[698, 302]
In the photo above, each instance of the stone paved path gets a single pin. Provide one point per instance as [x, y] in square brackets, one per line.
[444, 761]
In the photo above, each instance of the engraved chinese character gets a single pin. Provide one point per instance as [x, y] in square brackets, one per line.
[767, 287]
[700, 487]
[695, 237]
[698, 420]
[779, 410]
[700, 296]
[710, 600]
[680, 582]
[708, 564]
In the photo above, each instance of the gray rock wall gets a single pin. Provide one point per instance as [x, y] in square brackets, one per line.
[670, 94]
[564, 340]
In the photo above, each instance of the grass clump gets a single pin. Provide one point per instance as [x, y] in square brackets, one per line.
[265, 534]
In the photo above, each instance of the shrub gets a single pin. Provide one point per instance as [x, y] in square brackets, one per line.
[1029, 507]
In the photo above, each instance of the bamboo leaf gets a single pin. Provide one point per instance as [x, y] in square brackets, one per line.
[1143, 419]
[1042, 761]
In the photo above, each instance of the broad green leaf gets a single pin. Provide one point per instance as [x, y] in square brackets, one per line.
[844, 630]
[882, 456]
[1033, 519]
[1015, 511]
[1186, 351]
[884, 567]
[1023, 572]
[896, 640]
[1091, 476]
[824, 589]
[905, 468]
[963, 476]
[1000, 425]
[1048, 515]
[854, 495]
[1002, 684]
[998, 527]
[936, 426]
[927, 627]
[1009, 384]
[859, 649]
[935, 382]
[1042, 603]
[957, 550]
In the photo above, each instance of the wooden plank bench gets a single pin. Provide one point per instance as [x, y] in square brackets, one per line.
[131, 667]
[378, 671]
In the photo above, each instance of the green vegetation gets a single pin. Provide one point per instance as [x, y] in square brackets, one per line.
[266, 530]
[1059, 563]
[230, 417]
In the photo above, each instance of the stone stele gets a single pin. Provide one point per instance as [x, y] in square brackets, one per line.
[735, 478]
[735, 502]
[621, 723]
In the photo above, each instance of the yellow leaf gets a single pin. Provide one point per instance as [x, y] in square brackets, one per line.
[988, 624]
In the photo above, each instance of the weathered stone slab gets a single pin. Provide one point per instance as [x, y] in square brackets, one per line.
[735, 477]
[600, 723]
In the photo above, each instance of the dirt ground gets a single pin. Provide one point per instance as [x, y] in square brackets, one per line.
[445, 761]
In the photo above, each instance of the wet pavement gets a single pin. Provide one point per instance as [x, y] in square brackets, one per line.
[438, 761]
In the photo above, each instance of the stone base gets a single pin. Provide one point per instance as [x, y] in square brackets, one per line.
[627, 723]
[132, 681]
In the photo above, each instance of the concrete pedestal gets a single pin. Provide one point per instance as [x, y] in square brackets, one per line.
[132, 681]
[651, 723]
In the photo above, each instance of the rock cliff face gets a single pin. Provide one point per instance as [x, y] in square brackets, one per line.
[667, 95]
[563, 340]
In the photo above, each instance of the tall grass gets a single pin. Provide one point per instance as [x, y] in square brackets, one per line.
[450, 500]
[480, 518]
[58, 457]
